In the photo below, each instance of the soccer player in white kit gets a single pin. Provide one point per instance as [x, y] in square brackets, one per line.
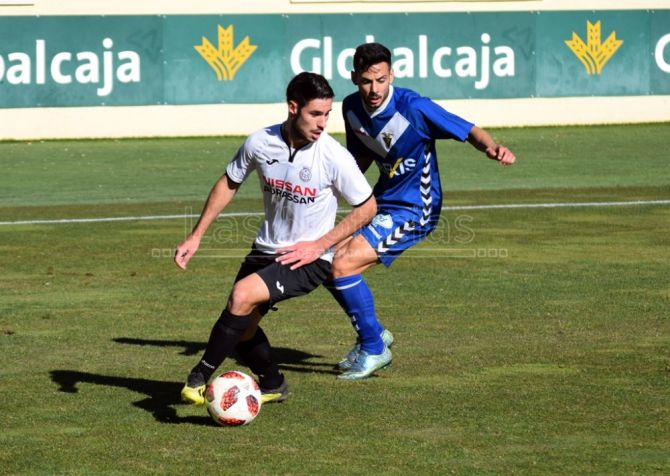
[302, 171]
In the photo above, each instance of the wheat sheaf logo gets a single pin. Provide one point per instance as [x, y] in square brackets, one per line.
[227, 58]
[594, 53]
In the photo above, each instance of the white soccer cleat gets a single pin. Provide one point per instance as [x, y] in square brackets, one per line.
[350, 358]
[367, 364]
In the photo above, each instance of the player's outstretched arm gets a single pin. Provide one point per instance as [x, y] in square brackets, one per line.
[219, 197]
[481, 140]
[305, 252]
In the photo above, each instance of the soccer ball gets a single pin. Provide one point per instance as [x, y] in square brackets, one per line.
[233, 399]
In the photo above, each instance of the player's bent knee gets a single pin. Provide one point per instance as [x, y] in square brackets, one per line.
[352, 263]
[341, 268]
[242, 300]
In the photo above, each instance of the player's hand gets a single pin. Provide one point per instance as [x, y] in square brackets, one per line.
[300, 254]
[501, 154]
[185, 251]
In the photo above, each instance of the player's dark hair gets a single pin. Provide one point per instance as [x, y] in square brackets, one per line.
[305, 87]
[369, 54]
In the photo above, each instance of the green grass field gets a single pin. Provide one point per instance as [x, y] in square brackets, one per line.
[529, 340]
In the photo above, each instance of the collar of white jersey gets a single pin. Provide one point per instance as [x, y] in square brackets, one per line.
[383, 106]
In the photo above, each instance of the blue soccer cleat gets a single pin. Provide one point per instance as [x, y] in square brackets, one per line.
[367, 364]
[350, 358]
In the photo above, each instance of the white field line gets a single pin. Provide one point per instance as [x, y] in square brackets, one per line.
[65, 221]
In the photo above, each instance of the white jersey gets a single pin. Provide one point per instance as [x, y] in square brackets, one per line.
[300, 187]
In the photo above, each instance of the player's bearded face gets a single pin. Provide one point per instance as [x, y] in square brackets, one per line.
[374, 84]
[309, 121]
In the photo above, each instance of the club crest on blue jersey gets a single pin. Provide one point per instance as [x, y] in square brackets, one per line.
[400, 137]
[388, 139]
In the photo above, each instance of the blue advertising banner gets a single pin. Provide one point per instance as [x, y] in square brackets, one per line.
[660, 53]
[593, 54]
[458, 55]
[80, 61]
[242, 59]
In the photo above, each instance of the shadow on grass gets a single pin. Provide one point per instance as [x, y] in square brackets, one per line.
[293, 360]
[161, 396]
[189, 348]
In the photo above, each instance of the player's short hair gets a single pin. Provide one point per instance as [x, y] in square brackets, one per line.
[369, 54]
[305, 87]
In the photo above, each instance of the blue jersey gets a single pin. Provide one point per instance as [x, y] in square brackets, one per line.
[400, 137]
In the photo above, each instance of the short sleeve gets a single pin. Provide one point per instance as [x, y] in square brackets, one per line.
[242, 164]
[348, 180]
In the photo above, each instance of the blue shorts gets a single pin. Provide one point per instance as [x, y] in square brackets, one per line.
[393, 231]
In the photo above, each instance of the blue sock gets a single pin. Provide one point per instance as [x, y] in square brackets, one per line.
[355, 297]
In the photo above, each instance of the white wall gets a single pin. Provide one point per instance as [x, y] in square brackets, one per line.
[227, 119]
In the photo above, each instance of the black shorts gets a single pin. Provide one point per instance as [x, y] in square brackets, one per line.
[280, 280]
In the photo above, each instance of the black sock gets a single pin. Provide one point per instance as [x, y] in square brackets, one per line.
[257, 355]
[225, 335]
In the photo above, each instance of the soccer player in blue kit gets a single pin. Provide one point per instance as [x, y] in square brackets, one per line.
[396, 128]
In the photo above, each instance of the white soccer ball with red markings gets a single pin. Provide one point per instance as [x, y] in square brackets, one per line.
[233, 399]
